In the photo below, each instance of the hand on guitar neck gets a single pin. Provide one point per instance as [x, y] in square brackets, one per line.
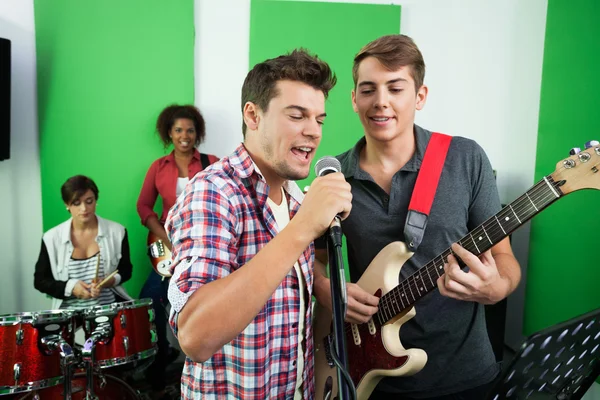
[487, 281]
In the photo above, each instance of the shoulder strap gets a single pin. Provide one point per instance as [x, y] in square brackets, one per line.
[204, 161]
[425, 188]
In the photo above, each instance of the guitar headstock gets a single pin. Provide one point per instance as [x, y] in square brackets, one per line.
[581, 170]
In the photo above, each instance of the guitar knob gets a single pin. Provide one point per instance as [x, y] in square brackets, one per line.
[574, 150]
[591, 143]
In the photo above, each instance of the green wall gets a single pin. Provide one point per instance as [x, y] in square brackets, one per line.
[564, 270]
[333, 31]
[105, 70]
[277, 27]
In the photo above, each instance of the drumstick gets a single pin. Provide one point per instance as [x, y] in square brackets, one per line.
[97, 267]
[107, 278]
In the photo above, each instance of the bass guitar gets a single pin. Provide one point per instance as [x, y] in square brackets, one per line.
[374, 348]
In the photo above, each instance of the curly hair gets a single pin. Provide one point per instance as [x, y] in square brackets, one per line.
[170, 114]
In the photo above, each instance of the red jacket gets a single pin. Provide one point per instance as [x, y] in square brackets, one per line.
[161, 179]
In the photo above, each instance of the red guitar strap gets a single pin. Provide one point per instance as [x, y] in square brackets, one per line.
[425, 188]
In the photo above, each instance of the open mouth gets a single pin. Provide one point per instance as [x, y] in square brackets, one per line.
[302, 152]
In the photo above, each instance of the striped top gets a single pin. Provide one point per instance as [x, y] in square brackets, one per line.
[85, 270]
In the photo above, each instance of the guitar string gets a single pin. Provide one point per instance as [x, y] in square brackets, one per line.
[524, 202]
[518, 205]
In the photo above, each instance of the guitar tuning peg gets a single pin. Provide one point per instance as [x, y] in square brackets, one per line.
[591, 143]
[574, 150]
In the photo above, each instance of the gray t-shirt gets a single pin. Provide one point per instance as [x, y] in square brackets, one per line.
[452, 332]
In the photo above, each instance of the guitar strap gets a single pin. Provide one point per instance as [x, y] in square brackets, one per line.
[204, 161]
[425, 188]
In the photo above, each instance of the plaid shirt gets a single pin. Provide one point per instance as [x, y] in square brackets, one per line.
[216, 226]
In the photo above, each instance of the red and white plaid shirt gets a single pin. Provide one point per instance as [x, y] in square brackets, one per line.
[219, 224]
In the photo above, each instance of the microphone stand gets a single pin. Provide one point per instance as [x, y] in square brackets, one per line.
[339, 301]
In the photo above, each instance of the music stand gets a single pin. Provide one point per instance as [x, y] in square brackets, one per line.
[558, 363]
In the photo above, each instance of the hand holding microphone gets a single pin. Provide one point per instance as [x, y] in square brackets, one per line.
[329, 197]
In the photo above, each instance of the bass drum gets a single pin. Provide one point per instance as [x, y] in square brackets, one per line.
[111, 388]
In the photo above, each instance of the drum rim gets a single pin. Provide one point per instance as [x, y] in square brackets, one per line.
[122, 305]
[29, 386]
[38, 316]
[83, 375]
[113, 362]
[108, 377]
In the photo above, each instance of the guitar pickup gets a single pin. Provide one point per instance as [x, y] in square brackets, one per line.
[156, 249]
[371, 326]
[356, 334]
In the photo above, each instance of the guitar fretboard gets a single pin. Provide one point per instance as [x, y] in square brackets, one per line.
[480, 239]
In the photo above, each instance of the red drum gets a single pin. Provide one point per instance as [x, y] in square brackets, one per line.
[105, 388]
[32, 347]
[120, 333]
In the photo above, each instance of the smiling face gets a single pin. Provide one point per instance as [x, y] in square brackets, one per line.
[183, 135]
[83, 209]
[283, 139]
[386, 101]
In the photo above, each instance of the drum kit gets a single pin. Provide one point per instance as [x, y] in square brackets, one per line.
[39, 358]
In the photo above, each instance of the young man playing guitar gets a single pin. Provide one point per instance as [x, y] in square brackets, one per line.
[382, 169]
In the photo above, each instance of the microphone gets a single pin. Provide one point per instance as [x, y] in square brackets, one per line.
[327, 165]
[324, 166]
[339, 295]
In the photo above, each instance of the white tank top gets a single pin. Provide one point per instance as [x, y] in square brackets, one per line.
[181, 182]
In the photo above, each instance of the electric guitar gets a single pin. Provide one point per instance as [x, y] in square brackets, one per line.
[374, 348]
[160, 255]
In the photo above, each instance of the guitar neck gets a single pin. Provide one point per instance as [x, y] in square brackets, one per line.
[480, 239]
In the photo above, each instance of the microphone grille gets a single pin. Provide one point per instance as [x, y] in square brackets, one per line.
[326, 165]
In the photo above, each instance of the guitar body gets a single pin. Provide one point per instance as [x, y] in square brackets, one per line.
[160, 255]
[374, 351]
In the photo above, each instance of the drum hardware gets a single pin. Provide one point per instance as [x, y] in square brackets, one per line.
[103, 332]
[67, 359]
[38, 346]
[17, 373]
[132, 335]
[126, 345]
[20, 336]
[29, 354]
[151, 314]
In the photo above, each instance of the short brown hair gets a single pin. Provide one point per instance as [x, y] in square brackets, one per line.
[299, 65]
[170, 114]
[75, 187]
[393, 51]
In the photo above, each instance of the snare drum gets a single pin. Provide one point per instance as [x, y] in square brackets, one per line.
[27, 358]
[105, 388]
[127, 332]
